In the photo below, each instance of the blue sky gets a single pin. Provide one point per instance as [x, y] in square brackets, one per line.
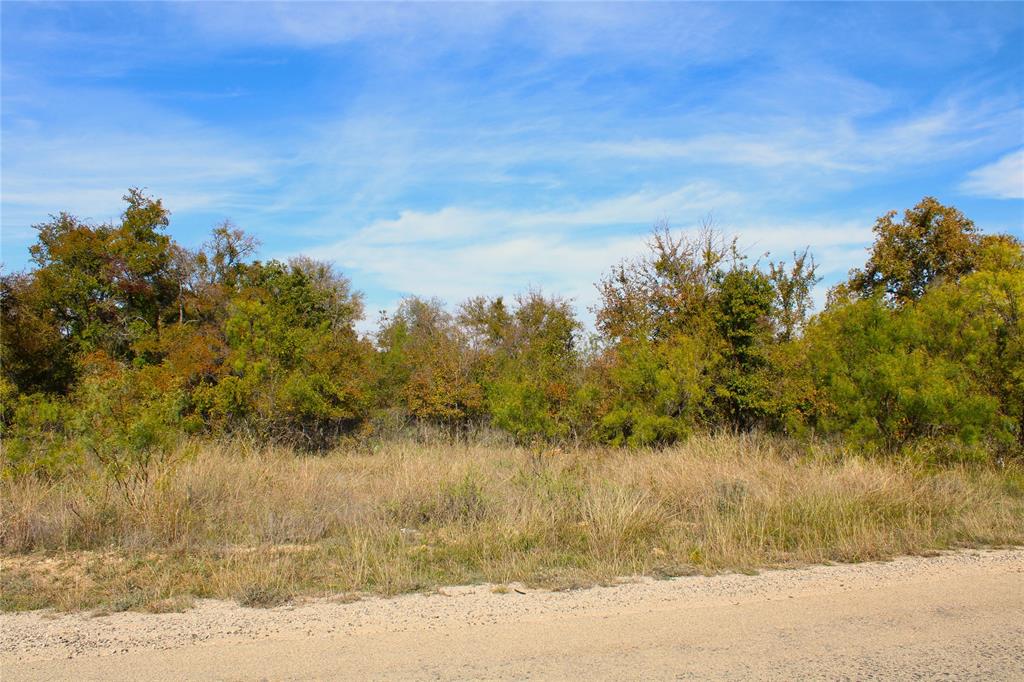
[460, 149]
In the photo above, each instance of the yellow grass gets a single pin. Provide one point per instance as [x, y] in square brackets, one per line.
[264, 525]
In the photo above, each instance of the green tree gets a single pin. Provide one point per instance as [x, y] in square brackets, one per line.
[656, 392]
[932, 242]
[701, 293]
[793, 288]
[742, 309]
[295, 367]
[885, 389]
[530, 363]
[34, 353]
[666, 292]
[978, 323]
[426, 367]
[107, 286]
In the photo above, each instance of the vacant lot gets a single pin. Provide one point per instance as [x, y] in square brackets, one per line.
[264, 525]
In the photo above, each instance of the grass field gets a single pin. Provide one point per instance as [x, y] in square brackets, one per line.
[263, 525]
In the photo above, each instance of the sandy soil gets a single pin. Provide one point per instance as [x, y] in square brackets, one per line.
[959, 615]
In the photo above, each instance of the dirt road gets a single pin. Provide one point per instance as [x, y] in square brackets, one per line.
[958, 614]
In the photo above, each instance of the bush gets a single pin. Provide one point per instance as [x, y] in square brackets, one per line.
[36, 438]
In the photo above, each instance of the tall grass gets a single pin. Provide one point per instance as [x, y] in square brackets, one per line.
[264, 524]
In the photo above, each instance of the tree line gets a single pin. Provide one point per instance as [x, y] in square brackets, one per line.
[118, 342]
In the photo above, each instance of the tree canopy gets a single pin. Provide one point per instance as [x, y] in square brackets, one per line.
[118, 341]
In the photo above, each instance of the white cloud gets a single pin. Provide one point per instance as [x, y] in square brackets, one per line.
[1003, 179]
[837, 144]
[457, 252]
[400, 30]
[85, 166]
[744, 149]
[644, 207]
[552, 261]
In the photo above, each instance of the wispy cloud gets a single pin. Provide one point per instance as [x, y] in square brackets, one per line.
[193, 171]
[839, 143]
[457, 252]
[558, 30]
[465, 148]
[1002, 179]
[84, 165]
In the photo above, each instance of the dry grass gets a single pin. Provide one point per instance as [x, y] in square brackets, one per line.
[264, 525]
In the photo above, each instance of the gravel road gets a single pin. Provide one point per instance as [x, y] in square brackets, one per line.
[958, 615]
